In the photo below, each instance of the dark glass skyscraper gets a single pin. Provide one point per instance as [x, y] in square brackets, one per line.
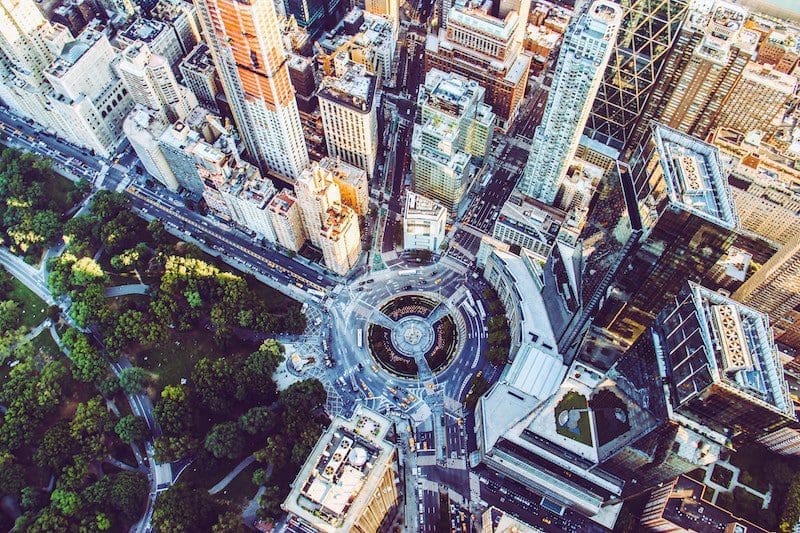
[316, 16]
[647, 35]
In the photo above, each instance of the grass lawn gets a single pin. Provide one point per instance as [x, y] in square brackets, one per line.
[573, 400]
[241, 489]
[722, 476]
[175, 358]
[44, 344]
[33, 308]
[57, 189]
[756, 483]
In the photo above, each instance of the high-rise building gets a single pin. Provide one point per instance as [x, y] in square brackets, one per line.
[143, 127]
[668, 218]
[287, 221]
[529, 224]
[348, 107]
[388, 9]
[24, 54]
[181, 17]
[779, 49]
[245, 42]
[708, 57]
[762, 181]
[579, 71]
[759, 98]
[487, 50]
[87, 102]
[189, 147]
[352, 182]
[199, 75]
[247, 196]
[329, 224]
[316, 16]
[454, 125]
[340, 239]
[647, 35]
[350, 480]
[157, 35]
[151, 83]
[424, 223]
[775, 290]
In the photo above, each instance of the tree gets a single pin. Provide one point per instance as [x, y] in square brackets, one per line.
[132, 428]
[224, 440]
[10, 315]
[31, 499]
[109, 386]
[257, 420]
[214, 382]
[270, 502]
[49, 520]
[157, 231]
[95, 523]
[86, 271]
[260, 477]
[67, 502]
[169, 449]
[12, 476]
[305, 443]
[89, 427]
[174, 411]
[88, 365]
[791, 507]
[56, 447]
[73, 476]
[275, 452]
[182, 508]
[133, 380]
[128, 493]
[229, 522]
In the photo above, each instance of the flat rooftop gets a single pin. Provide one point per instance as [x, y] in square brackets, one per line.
[199, 59]
[282, 202]
[144, 30]
[421, 206]
[740, 353]
[694, 176]
[355, 88]
[342, 472]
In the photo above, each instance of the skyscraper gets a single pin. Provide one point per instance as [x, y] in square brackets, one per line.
[454, 125]
[775, 290]
[579, 71]
[710, 54]
[349, 116]
[647, 35]
[245, 42]
[151, 83]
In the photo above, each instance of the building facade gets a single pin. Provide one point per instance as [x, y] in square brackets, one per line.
[246, 45]
[143, 127]
[198, 73]
[584, 55]
[348, 105]
[424, 223]
[287, 221]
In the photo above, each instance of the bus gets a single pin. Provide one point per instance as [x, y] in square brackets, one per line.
[410, 272]
[481, 311]
[360, 338]
[485, 180]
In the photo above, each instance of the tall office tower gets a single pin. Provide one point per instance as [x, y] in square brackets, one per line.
[316, 16]
[579, 71]
[708, 57]
[143, 127]
[157, 35]
[247, 195]
[352, 182]
[152, 84]
[487, 50]
[88, 102]
[667, 219]
[759, 98]
[245, 42]
[287, 221]
[349, 482]
[388, 9]
[647, 34]
[454, 125]
[24, 55]
[349, 116]
[340, 239]
[775, 290]
[181, 17]
[195, 151]
[316, 192]
[762, 180]
[199, 75]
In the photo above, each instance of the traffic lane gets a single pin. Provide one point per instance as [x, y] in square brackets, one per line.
[245, 248]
